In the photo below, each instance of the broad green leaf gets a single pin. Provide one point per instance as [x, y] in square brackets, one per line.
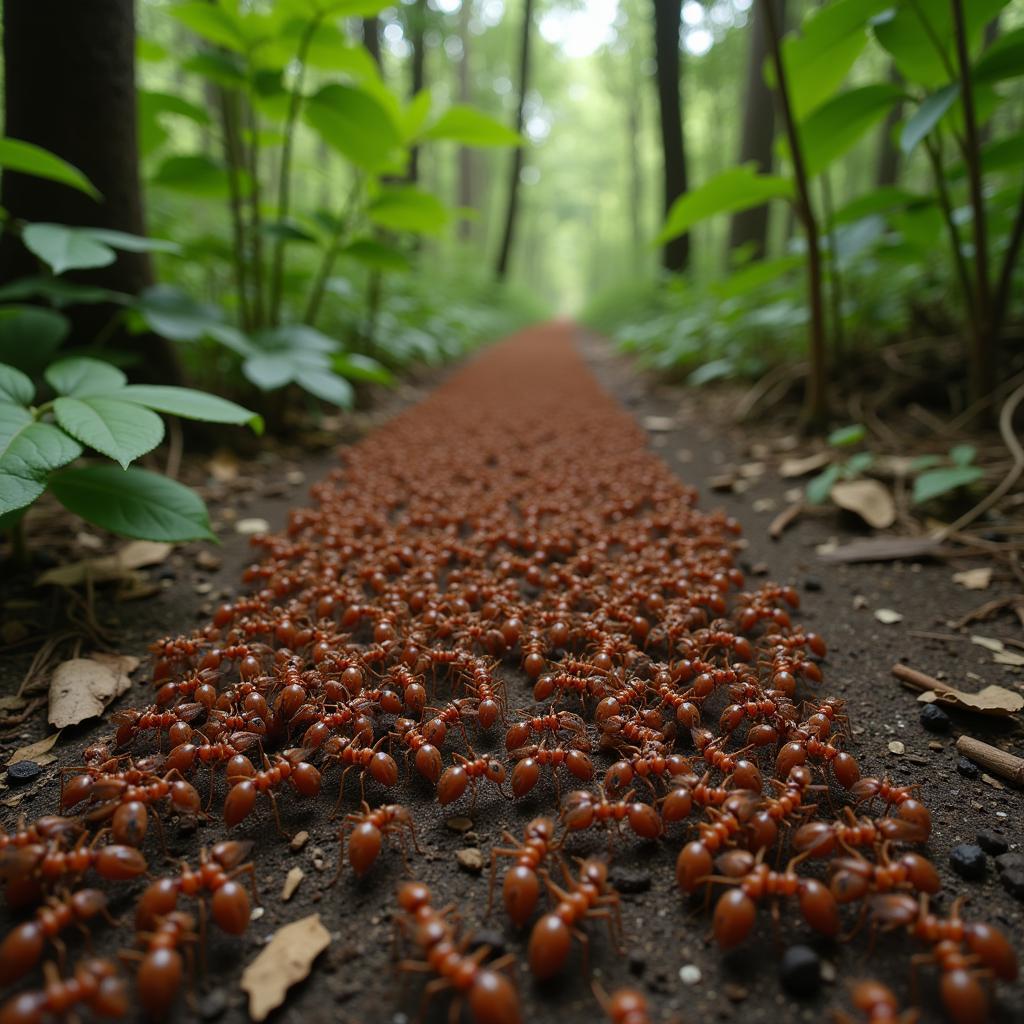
[223, 69]
[471, 127]
[15, 386]
[196, 175]
[59, 292]
[377, 255]
[190, 404]
[130, 243]
[13, 419]
[843, 437]
[415, 115]
[856, 464]
[354, 366]
[818, 489]
[213, 23]
[62, 248]
[925, 462]
[836, 126]
[408, 208]
[28, 457]
[879, 200]
[735, 189]
[287, 231]
[295, 338]
[172, 313]
[328, 386]
[133, 503]
[714, 369]
[356, 124]
[1003, 59]
[748, 279]
[152, 107]
[27, 158]
[120, 430]
[80, 376]
[963, 454]
[935, 482]
[29, 335]
[910, 36]
[270, 370]
[150, 50]
[927, 116]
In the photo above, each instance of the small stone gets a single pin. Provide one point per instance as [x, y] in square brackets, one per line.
[291, 883]
[470, 859]
[204, 587]
[1010, 862]
[967, 768]
[935, 745]
[629, 880]
[800, 971]
[828, 971]
[459, 824]
[813, 584]
[317, 856]
[689, 974]
[934, 719]
[896, 747]
[295, 477]
[992, 842]
[859, 601]
[257, 913]
[23, 771]
[968, 861]
[299, 840]
[213, 1004]
[735, 993]
[1013, 882]
[991, 781]
[252, 527]
[208, 560]
[637, 964]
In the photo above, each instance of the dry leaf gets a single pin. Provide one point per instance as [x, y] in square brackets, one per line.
[223, 467]
[118, 566]
[251, 527]
[291, 883]
[82, 687]
[38, 751]
[659, 424]
[1008, 658]
[790, 468]
[752, 470]
[974, 579]
[882, 549]
[888, 616]
[12, 703]
[992, 700]
[870, 499]
[1000, 655]
[286, 960]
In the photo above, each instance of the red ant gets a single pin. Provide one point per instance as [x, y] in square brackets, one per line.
[455, 779]
[161, 966]
[95, 984]
[582, 809]
[878, 1004]
[518, 733]
[531, 759]
[245, 787]
[347, 751]
[367, 834]
[853, 878]
[521, 886]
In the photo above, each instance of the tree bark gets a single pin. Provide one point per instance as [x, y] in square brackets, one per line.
[417, 24]
[465, 190]
[750, 227]
[676, 254]
[505, 252]
[69, 86]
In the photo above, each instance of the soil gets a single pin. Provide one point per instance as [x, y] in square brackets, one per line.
[352, 981]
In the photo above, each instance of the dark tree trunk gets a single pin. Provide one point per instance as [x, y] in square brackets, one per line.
[750, 227]
[466, 192]
[69, 86]
[676, 254]
[888, 168]
[417, 24]
[371, 38]
[517, 156]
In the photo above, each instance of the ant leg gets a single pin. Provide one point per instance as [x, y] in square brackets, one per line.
[277, 816]
[496, 852]
[432, 989]
[584, 941]
[341, 858]
[608, 916]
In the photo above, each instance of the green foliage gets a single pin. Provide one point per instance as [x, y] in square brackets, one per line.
[62, 248]
[935, 479]
[27, 158]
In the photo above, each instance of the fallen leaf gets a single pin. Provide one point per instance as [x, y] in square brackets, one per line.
[659, 424]
[223, 467]
[790, 468]
[974, 579]
[118, 566]
[291, 883]
[286, 960]
[870, 500]
[992, 700]
[887, 616]
[82, 687]
[882, 549]
[1008, 658]
[251, 527]
[1000, 655]
[12, 703]
[38, 751]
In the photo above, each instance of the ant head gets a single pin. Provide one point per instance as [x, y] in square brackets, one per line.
[496, 771]
[412, 896]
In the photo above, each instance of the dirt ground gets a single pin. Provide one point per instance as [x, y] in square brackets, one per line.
[353, 982]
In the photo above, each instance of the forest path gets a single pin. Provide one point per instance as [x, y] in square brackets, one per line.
[519, 501]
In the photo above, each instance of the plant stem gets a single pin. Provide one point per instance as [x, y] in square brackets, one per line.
[836, 289]
[816, 398]
[235, 161]
[316, 293]
[256, 221]
[1001, 302]
[981, 376]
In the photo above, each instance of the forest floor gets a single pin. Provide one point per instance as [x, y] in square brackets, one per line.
[352, 980]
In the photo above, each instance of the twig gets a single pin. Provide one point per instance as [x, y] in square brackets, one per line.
[919, 680]
[784, 520]
[173, 466]
[989, 608]
[999, 762]
[782, 373]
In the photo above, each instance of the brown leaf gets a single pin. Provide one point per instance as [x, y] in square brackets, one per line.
[118, 566]
[1000, 655]
[974, 579]
[286, 960]
[992, 700]
[291, 883]
[38, 751]
[883, 549]
[870, 499]
[82, 687]
[790, 468]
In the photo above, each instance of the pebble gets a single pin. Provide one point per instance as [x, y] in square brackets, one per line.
[459, 824]
[251, 527]
[291, 883]
[800, 971]
[992, 842]
[299, 840]
[967, 768]
[470, 859]
[317, 856]
[968, 861]
[689, 974]
[213, 1004]
[23, 771]
[629, 880]
[1010, 862]
[208, 560]
[812, 583]
[934, 719]
[1013, 882]
[204, 588]
[896, 747]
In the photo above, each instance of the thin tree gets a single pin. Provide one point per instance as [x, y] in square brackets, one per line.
[465, 189]
[750, 227]
[416, 23]
[371, 38]
[69, 86]
[505, 252]
[667, 20]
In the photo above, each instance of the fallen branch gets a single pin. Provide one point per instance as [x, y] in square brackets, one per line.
[999, 762]
[784, 520]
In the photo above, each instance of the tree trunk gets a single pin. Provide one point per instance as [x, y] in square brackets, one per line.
[750, 227]
[466, 193]
[417, 23]
[517, 156]
[69, 86]
[636, 175]
[676, 254]
[888, 168]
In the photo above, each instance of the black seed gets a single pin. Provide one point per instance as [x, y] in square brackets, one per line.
[992, 842]
[813, 583]
[800, 971]
[629, 880]
[968, 769]
[24, 771]
[968, 861]
[934, 719]
[1013, 882]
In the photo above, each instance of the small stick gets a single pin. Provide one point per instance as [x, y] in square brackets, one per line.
[1000, 762]
[784, 520]
[919, 680]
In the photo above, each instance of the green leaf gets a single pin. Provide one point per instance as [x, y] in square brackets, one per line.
[130, 243]
[408, 208]
[328, 386]
[190, 404]
[196, 175]
[133, 503]
[356, 124]
[1003, 59]
[153, 107]
[63, 248]
[836, 126]
[935, 482]
[80, 376]
[13, 419]
[223, 69]
[150, 50]
[28, 456]
[924, 462]
[927, 116]
[27, 158]
[879, 200]
[295, 337]
[819, 487]
[286, 231]
[471, 127]
[354, 366]
[377, 255]
[415, 115]
[748, 279]
[15, 386]
[29, 335]
[844, 437]
[120, 430]
[172, 313]
[213, 23]
[857, 464]
[60, 292]
[962, 454]
[269, 371]
[735, 189]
